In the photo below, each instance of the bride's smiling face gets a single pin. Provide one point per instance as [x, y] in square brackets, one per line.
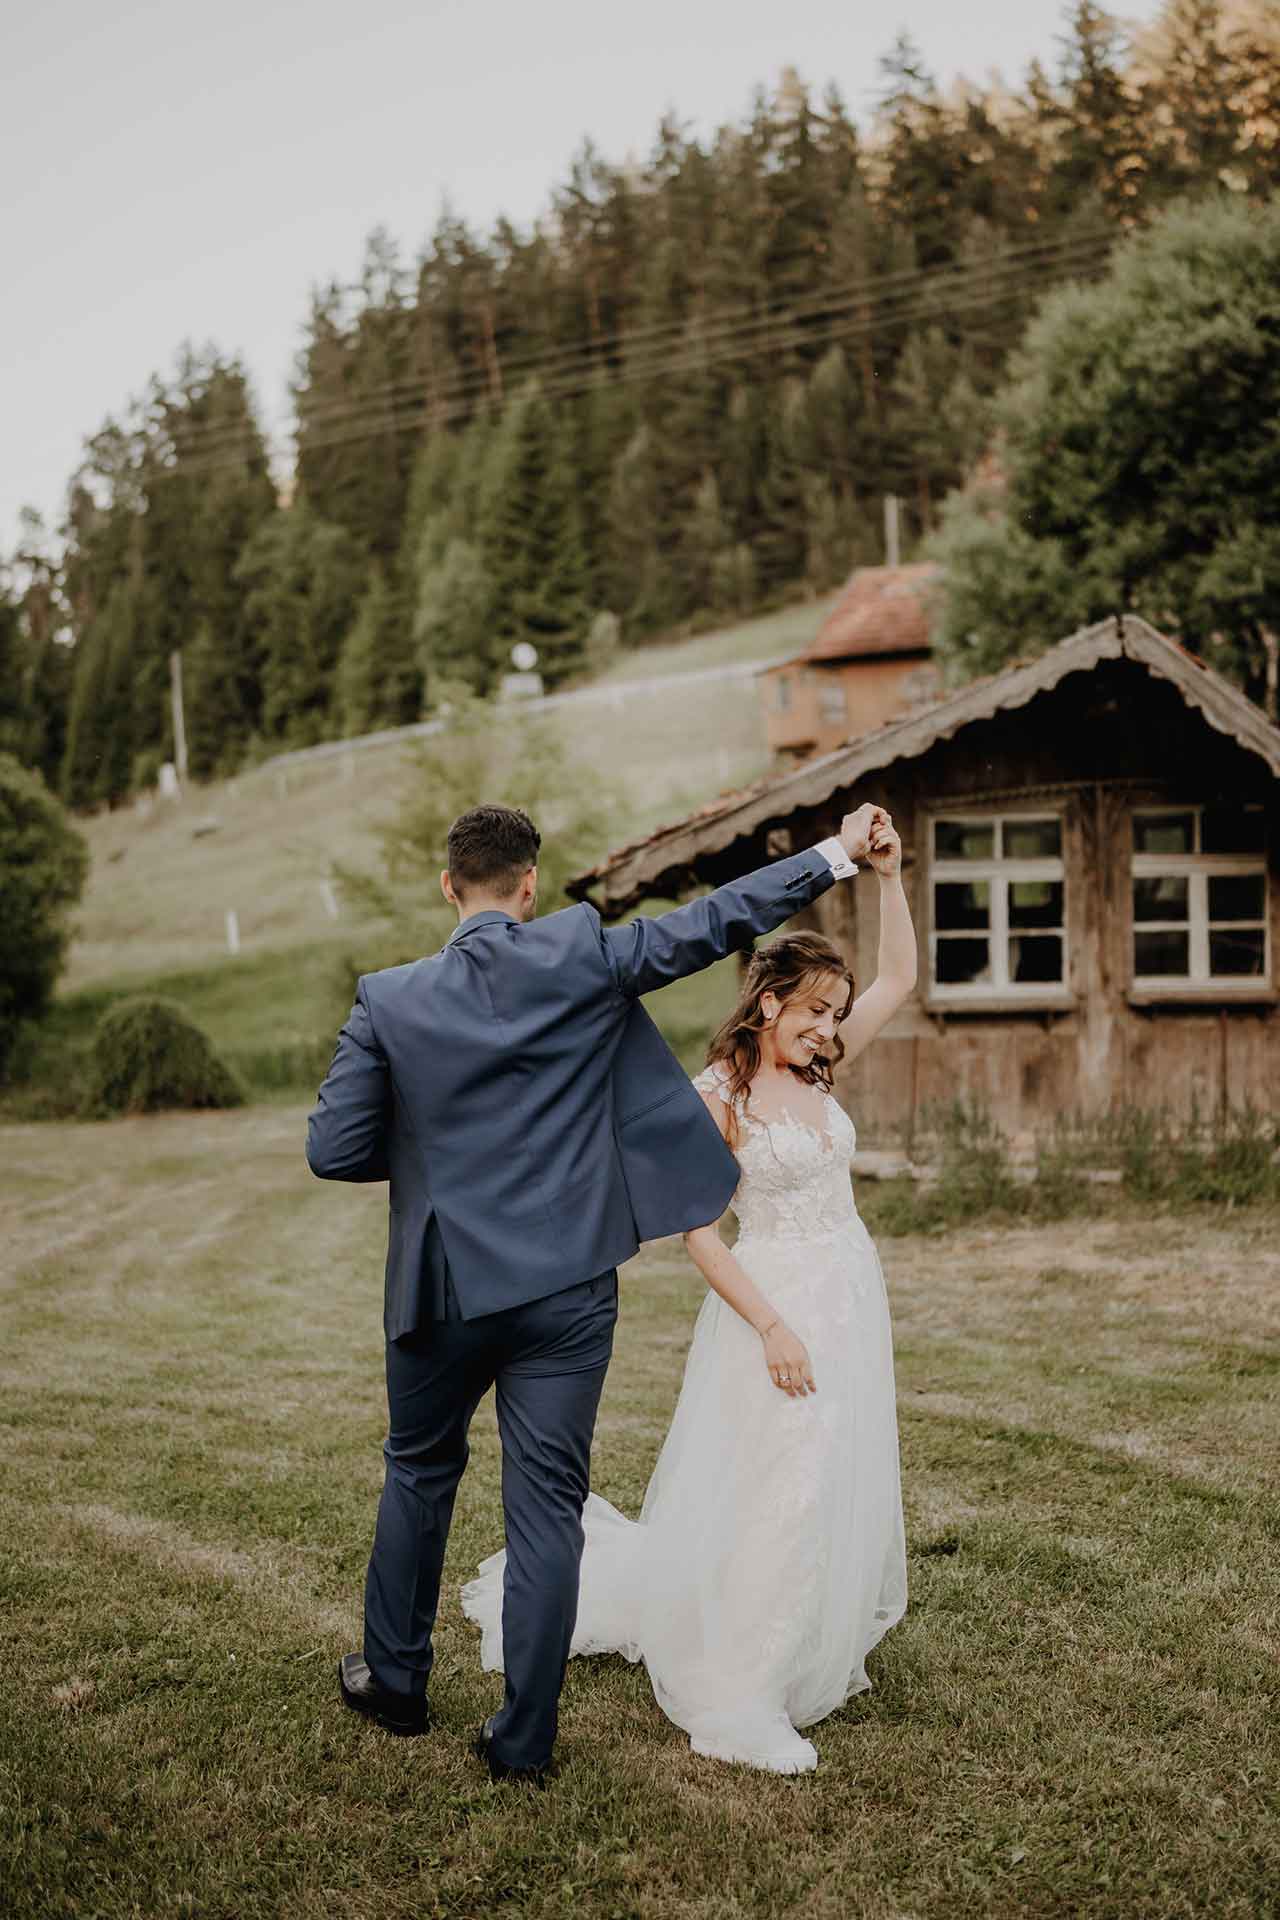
[804, 1024]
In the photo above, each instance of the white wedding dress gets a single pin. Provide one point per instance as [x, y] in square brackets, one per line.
[769, 1555]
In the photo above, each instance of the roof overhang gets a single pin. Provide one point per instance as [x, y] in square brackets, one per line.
[663, 863]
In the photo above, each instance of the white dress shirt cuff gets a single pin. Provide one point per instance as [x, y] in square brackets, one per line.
[837, 859]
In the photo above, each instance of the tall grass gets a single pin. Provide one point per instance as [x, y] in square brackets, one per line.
[970, 1173]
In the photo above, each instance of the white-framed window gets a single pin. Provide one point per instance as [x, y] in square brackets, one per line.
[997, 888]
[1200, 909]
[832, 703]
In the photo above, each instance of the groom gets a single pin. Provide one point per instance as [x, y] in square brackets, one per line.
[534, 1128]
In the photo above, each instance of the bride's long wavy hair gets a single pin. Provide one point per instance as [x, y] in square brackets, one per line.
[787, 966]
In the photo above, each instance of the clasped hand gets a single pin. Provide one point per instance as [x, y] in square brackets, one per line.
[868, 833]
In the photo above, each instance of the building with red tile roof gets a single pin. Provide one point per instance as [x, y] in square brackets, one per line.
[869, 662]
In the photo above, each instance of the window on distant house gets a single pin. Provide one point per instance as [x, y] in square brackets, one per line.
[1199, 897]
[832, 704]
[782, 693]
[998, 906]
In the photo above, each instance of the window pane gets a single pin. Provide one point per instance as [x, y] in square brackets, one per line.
[1163, 898]
[1237, 896]
[1164, 953]
[960, 961]
[963, 840]
[1164, 833]
[959, 904]
[831, 701]
[1242, 951]
[1035, 903]
[1232, 830]
[1032, 839]
[1037, 957]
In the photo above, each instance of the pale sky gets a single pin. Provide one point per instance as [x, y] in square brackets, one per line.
[176, 171]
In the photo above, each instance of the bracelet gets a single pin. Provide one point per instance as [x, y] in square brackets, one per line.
[764, 1332]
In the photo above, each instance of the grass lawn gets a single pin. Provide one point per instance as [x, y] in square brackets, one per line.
[1077, 1716]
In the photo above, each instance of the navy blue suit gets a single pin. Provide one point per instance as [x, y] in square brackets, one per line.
[534, 1128]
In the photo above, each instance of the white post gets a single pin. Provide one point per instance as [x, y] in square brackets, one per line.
[330, 899]
[179, 722]
[891, 530]
[233, 931]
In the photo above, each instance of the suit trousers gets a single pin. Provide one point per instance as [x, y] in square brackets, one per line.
[547, 1360]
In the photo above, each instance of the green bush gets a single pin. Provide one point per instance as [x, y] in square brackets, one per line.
[148, 1054]
[43, 862]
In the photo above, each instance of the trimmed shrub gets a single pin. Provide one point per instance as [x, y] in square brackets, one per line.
[148, 1054]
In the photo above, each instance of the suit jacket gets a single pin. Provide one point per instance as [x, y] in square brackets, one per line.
[523, 1105]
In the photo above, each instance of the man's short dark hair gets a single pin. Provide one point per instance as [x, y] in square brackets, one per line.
[492, 847]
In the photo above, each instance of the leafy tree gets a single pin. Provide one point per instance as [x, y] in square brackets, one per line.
[13, 692]
[1143, 470]
[506, 757]
[43, 864]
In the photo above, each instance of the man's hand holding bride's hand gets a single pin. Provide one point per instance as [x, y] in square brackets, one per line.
[856, 830]
[787, 1360]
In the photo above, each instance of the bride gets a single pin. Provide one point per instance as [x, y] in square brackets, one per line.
[768, 1558]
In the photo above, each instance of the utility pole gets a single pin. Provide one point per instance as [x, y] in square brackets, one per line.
[179, 723]
[891, 530]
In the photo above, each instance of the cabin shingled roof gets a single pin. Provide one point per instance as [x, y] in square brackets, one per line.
[662, 862]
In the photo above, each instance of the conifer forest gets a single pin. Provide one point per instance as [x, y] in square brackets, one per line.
[679, 398]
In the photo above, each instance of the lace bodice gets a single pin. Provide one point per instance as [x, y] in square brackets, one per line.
[795, 1179]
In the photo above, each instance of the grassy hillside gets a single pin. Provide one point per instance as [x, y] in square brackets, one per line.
[263, 846]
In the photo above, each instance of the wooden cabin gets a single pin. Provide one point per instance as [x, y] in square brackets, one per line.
[869, 662]
[1091, 846]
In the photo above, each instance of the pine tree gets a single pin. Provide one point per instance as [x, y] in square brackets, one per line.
[377, 682]
[532, 540]
[1096, 122]
[639, 582]
[303, 579]
[89, 723]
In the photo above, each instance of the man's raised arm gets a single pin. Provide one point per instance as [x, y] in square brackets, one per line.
[651, 953]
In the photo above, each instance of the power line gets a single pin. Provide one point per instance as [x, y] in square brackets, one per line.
[930, 293]
[626, 339]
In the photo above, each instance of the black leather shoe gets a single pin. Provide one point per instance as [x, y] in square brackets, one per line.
[397, 1712]
[498, 1769]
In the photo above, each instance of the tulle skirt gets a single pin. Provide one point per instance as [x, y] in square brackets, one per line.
[769, 1555]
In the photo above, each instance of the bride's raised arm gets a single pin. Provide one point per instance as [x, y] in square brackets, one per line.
[898, 960]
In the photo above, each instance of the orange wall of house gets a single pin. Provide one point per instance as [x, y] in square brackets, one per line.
[875, 691]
